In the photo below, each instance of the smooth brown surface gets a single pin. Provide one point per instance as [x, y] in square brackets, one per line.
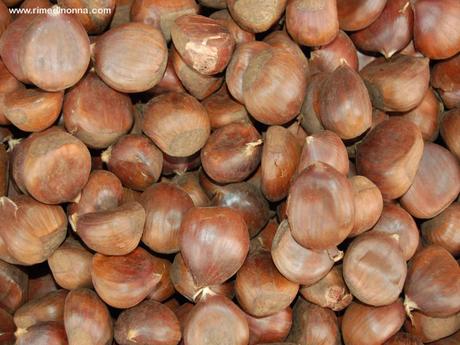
[14, 285]
[445, 78]
[47, 333]
[358, 14]
[239, 34]
[450, 128]
[270, 328]
[429, 329]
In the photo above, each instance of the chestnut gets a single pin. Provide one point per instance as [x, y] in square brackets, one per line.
[124, 281]
[33, 4]
[180, 165]
[312, 23]
[32, 110]
[121, 15]
[7, 328]
[368, 204]
[280, 157]
[442, 229]
[239, 35]
[397, 84]
[70, 265]
[363, 325]
[330, 56]
[183, 282]
[309, 113]
[46, 333]
[170, 81]
[299, 133]
[436, 41]
[429, 329]
[203, 43]
[390, 155]
[238, 65]
[433, 283]
[248, 200]
[177, 123]
[34, 230]
[320, 207]
[398, 224]
[47, 308]
[264, 239]
[214, 321]
[256, 15]
[198, 85]
[165, 205]
[260, 289]
[374, 269]
[102, 192]
[164, 289]
[291, 258]
[5, 18]
[14, 285]
[190, 183]
[113, 232]
[436, 184]
[41, 286]
[452, 340]
[161, 14]
[402, 338]
[313, 324]
[93, 22]
[149, 322]
[285, 73]
[270, 328]
[97, 114]
[222, 109]
[390, 32]
[281, 39]
[86, 318]
[52, 166]
[214, 242]
[135, 160]
[236, 144]
[357, 14]
[329, 292]
[142, 68]
[449, 130]
[444, 77]
[327, 147]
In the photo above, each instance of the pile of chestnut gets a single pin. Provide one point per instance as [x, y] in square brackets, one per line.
[230, 172]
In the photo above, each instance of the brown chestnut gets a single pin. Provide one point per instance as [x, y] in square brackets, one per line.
[177, 123]
[320, 207]
[164, 289]
[46, 333]
[450, 126]
[402, 338]
[135, 160]
[269, 328]
[127, 66]
[97, 114]
[429, 329]
[149, 322]
[214, 242]
[180, 165]
[86, 318]
[165, 205]
[309, 113]
[170, 81]
[239, 34]
[7, 328]
[190, 183]
[14, 285]
[358, 14]
[444, 77]
[41, 286]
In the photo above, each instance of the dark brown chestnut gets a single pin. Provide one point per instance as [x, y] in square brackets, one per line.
[390, 155]
[52, 166]
[291, 258]
[70, 265]
[309, 113]
[41, 286]
[374, 269]
[135, 160]
[239, 34]
[214, 321]
[142, 68]
[14, 285]
[248, 201]
[97, 114]
[165, 205]
[164, 288]
[433, 283]
[124, 281]
[398, 224]
[402, 338]
[203, 43]
[86, 318]
[190, 183]
[390, 32]
[436, 41]
[329, 292]
[313, 325]
[7, 328]
[177, 123]
[358, 14]
[436, 184]
[236, 144]
[170, 81]
[397, 84]
[450, 126]
[214, 242]
[260, 288]
[442, 229]
[180, 165]
[320, 207]
[161, 14]
[256, 15]
[46, 333]
[311, 22]
[364, 325]
[270, 328]
[149, 322]
[264, 239]
[444, 77]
